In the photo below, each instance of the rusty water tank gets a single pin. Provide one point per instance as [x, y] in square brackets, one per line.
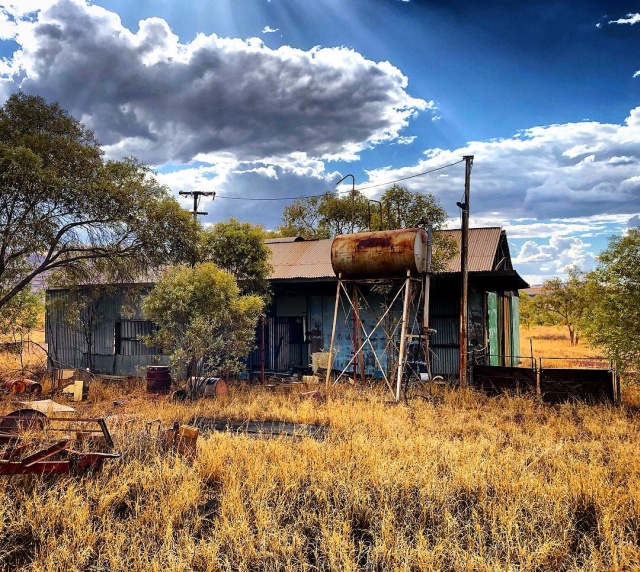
[380, 254]
[158, 379]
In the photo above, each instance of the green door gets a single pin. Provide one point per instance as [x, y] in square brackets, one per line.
[515, 330]
[492, 327]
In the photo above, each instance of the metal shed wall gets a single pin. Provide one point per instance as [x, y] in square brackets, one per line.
[68, 346]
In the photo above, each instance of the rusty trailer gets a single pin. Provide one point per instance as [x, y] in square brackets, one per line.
[79, 444]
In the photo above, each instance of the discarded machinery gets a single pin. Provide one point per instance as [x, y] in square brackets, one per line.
[22, 385]
[79, 445]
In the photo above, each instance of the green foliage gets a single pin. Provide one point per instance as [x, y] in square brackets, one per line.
[239, 248]
[528, 313]
[201, 316]
[62, 204]
[331, 214]
[325, 216]
[20, 316]
[613, 318]
[405, 209]
[564, 300]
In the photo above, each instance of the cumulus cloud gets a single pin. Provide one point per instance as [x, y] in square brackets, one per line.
[146, 93]
[269, 30]
[269, 186]
[572, 170]
[559, 254]
[633, 222]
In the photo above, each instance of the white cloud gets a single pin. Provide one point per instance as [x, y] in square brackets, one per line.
[269, 30]
[557, 256]
[572, 170]
[147, 94]
[629, 19]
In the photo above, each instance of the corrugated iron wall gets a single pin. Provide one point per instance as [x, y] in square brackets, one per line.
[114, 313]
[444, 317]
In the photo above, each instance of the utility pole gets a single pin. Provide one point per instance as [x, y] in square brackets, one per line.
[196, 200]
[464, 271]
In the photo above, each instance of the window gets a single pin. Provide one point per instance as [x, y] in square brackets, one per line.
[128, 338]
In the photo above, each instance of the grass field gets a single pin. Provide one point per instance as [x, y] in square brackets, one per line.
[459, 482]
[553, 342]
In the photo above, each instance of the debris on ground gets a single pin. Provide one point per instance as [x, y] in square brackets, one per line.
[180, 439]
[46, 406]
[202, 387]
[76, 445]
[21, 385]
[261, 428]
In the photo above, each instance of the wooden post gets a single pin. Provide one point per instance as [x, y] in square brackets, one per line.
[403, 334]
[333, 334]
[356, 329]
[426, 287]
[464, 267]
[262, 356]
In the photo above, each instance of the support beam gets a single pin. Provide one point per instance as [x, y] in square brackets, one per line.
[403, 334]
[333, 334]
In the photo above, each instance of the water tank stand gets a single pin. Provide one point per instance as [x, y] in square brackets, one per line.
[408, 327]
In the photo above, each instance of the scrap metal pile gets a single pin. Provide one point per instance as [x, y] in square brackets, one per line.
[33, 443]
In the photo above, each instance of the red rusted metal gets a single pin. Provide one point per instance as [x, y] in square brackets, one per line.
[381, 254]
[41, 462]
[158, 379]
[23, 385]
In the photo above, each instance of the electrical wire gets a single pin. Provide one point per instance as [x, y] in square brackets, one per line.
[236, 198]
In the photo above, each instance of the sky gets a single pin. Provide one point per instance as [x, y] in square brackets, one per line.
[273, 99]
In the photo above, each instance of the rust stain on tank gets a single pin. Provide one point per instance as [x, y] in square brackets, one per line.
[373, 242]
[380, 254]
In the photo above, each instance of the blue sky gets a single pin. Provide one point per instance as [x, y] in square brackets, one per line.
[281, 98]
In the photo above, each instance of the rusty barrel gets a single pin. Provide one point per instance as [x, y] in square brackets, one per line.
[32, 387]
[158, 379]
[216, 387]
[23, 385]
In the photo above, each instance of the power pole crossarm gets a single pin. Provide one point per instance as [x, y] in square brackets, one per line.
[196, 200]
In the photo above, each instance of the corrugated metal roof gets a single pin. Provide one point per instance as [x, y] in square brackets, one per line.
[305, 259]
[483, 245]
[284, 239]
[312, 258]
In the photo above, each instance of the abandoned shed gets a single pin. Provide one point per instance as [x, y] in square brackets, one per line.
[304, 284]
[108, 329]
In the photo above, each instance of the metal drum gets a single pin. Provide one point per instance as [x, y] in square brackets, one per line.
[216, 387]
[381, 254]
[158, 379]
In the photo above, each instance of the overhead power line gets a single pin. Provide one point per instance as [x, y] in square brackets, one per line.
[237, 198]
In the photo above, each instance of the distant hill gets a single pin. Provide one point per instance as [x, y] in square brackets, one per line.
[533, 290]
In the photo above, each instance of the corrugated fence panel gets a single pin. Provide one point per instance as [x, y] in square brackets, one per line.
[447, 331]
[445, 361]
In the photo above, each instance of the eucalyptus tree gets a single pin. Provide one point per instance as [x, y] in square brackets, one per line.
[202, 319]
[612, 319]
[62, 203]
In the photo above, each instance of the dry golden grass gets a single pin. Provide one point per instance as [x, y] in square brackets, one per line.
[553, 342]
[34, 358]
[464, 482]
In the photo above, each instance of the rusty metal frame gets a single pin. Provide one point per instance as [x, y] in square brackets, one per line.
[40, 462]
[403, 324]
